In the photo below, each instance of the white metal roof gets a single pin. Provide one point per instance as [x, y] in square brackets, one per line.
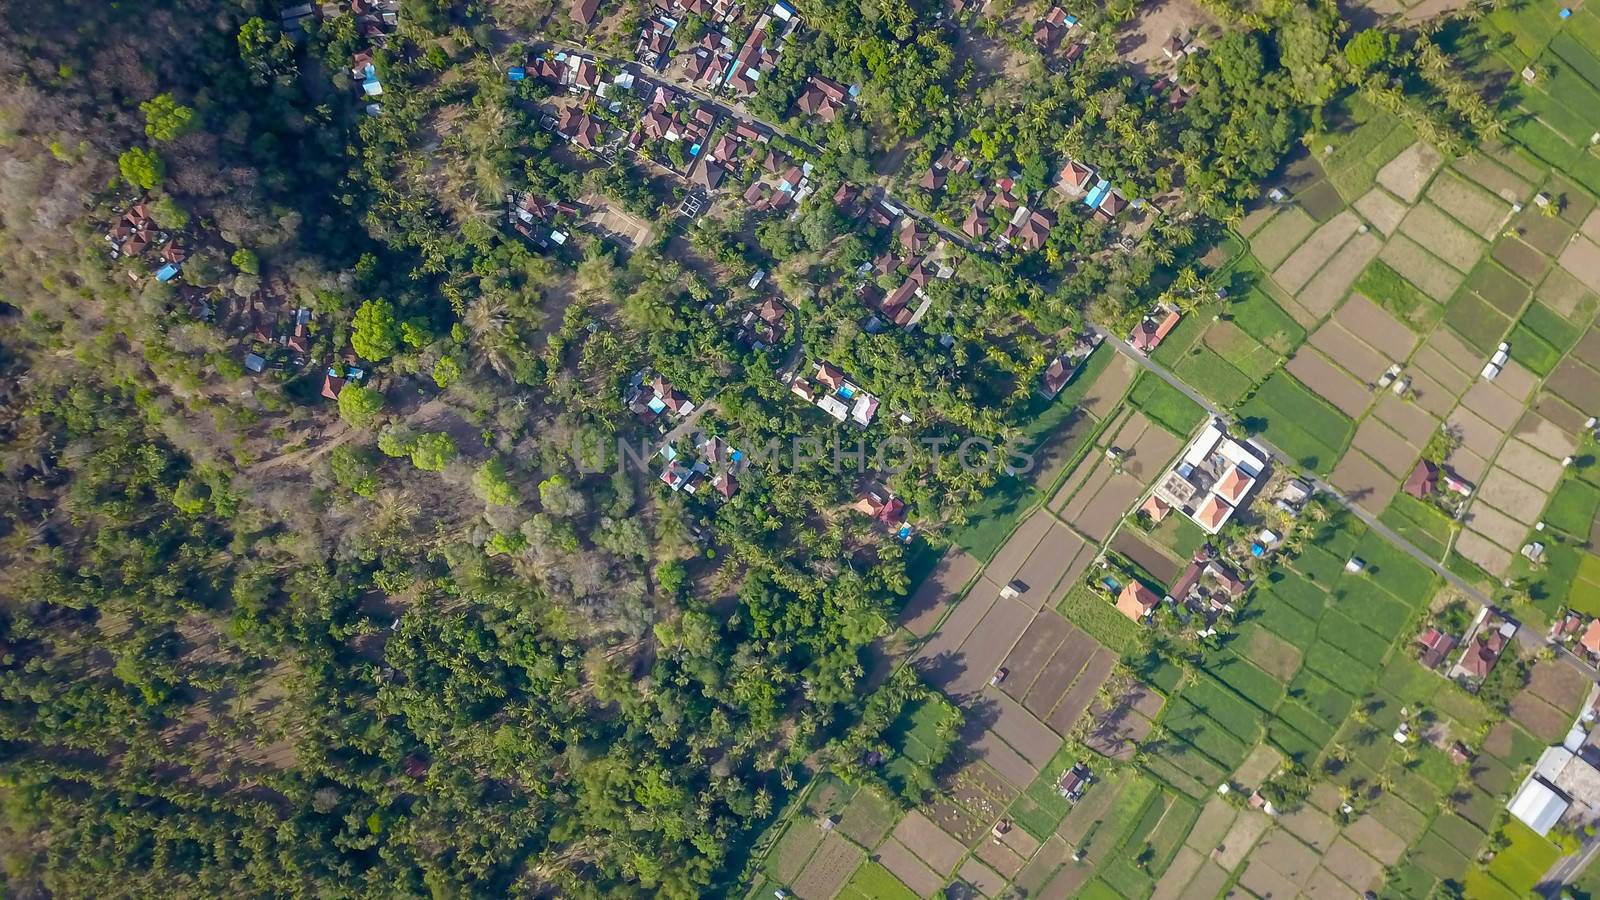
[1538, 805]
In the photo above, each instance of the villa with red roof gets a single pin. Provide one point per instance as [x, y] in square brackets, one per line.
[1213, 477]
[1136, 601]
[1150, 332]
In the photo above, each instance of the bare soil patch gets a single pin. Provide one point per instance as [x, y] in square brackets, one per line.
[1489, 556]
[1077, 699]
[1505, 527]
[938, 659]
[1159, 564]
[1353, 867]
[1206, 883]
[1052, 853]
[1057, 674]
[1588, 347]
[1338, 388]
[1017, 727]
[1255, 218]
[1563, 293]
[1523, 261]
[1363, 482]
[1284, 852]
[1407, 174]
[1559, 685]
[1575, 382]
[938, 591]
[1216, 818]
[1380, 207]
[1552, 419]
[1516, 381]
[1139, 41]
[1112, 500]
[989, 643]
[1476, 434]
[1460, 357]
[1335, 278]
[1495, 406]
[1503, 290]
[1383, 332]
[1542, 720]
[1421, 268]
[1350, 352]
[1468, 465]
[1470, 205]
[909, 868]
[1385, 447]
[1582, 259]
[1273, 244]
[1155, 448]
[1530, 464]
[1411, 422]
[1264, 881]
[1430, 395]
[1503, 183]
[1241, 838]
[1314, 828]
[1512, 496]
[1443, 236]
[1324, 884]
[1379, 842]
[1178, 875]
[980, 876]
[1018, 548]
[1002, 858]
[1304, 262]
[829, 869]
[1035, 648]
[1109, 388]
[1048, 563]
[1543, 233]
[939, 850]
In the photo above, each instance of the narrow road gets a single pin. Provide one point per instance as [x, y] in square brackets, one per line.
[1529, 639]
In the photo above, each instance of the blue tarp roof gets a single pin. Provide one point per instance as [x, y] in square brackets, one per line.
[517, 73]
[1097, 194]
[167, 272]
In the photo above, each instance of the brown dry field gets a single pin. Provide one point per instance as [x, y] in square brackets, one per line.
[982, 652]
[1154, 561]
[1469, 465]
[1512, 496]
[1407, 174]
[1055, 675]
[1351, 353]
[1017, 727]
[1037, 644]
[1588, 347]
[1313, 828]
[1363, 482]
[939, 850]
[1411, 422]
[1486, 172]
[986, 880]
[1575, 383]
[829, 869]
[1379, 842]
[1322, 377]
[1530, 465]
[1434, 359]
[1298, 268]
[1108, 506]
[909, 868]
[1216, 817]
[1582, 259]
[1018, 548]
[1049, 561]
[1284, 852]
[1273, 244]
[1052, 853]
[1562, 293]
[1517, 382]
[1523, 261]
[1010, 853]
[1077, 699]
[1442, 237]
[1561, 686]
[1264, 881]
[1329, 287]
[1352, 866]
[1325, 885]
[1178, 875]
[1430, 395]
[1433, 276]
[1546, 235]
[1151, 454]
[1476, 435]
[1542, 720]
[1382, 210]
[1562, 421]
[934, 657]
[938, 591]
[1487, 555]
[1075, 480]
[1109, 388]
[1241, 838]
[1495, 406]
[1129, 431]
[1003, 759]
[1088, 484]
[1383, 332]
[1255, 218]
[1497, 526]
[1385, 447]
[1479, 210]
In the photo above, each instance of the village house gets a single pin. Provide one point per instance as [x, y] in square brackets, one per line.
[1136, 601]
[1073, 782]
[654, 47]
[836, 395]
[1075, 179]
[1048, 31]
[1208, 584]
[583, 11]
[1151, 331]
[1029, 228]
[580, 128]
[821, 97]
[1590, 641]
[879, 505]
[1484, 644]
[1212, 478]
[1434, 647]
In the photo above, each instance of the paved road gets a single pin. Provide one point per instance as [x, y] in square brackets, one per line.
[1525, 636]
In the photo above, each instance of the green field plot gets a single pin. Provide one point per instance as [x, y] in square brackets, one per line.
[1299, 422]
[1584, 595]
[1241, 351]
[868, 817]
[1540, 100]
[1533, 351]
[1579, 58]
[1438, 858]
[1040, 808]
[1262, 318]
[1525, 860]
[1390, 290]
[1180, 339]
[1180, 535]
[1572, 508]
[1373, 608]
[1191, 725]
[1352, 639]
[1339, 668]
[1407, 680]
[1410, 882]
[1320, 565]
[1221, 703]
[1550, 326]
[1479, 324]
[1250, 682]
[1543, 141]
[1293, 742]
[1165, 404]
[1423, 524]
[874, 882]
[1282, 620]
[1090, 609]
[1361, 150]
[1395, 571]
[1213, 376]
[1531, 26]
[1294, 589]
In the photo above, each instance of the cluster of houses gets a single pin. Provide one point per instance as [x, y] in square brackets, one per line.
[883, 507]
[715, 463]
[375, 19]
[920, 260]
[1054, 26]
[781, 185]
[671, 119]
[1211, 479]
[823, 98]
[133, 234]
[1066, 364]
[539, 219]
[1078, 180]
[763, 326]
[834, 394]
[713, 62]
[1481, 647]
[656, 399]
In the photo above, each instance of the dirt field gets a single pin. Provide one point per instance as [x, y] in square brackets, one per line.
[1214, 823]
[1257, 217]
[938, 591]
[1273, 244]
[1472, 206]
[1325, 290]
[1178, 875]
[1504, 184]
[1130, 544]
[1496, 525]
[829, 869]
[1285, 853]
[1304, 262]
[1430, 394]
[1002, 758]
[1052, 559]
[909, 868]
[1052, 853]
[1476, 435]
[1542, 720]
[1246, 830]
[1156, 447]
[1035, 648]
[1457, 367]
[1443, 237]
[1018, 548]
[980, 876]
[1588, 347]
[1264, 881]
[1480, 550]
[1419, 267]
[1055, 675]
[1376, 328]
[1563, 293]
[1351, 353]
[1325, 885]
[939, 850]
[1007, 859]
[1530, 465]
[1412, 423]
[1523, 261]
[936, 659]
[1077, 699]
[1552, 424]
[1353, 867]
[1517, 382]
[1561, 686]
[1139, 41]
[1258, 766]
[1379, 842]
[1017, 727]
[1407, 174]
[1512, 496]
[1338, 388]
[607, 219]
[1492, 404]
[1313, 828]
[1582, 259]
[1386, 448]
[1364, 483]
[1380, 208]
[982, 652]
[1102, 513]
[799, 841]
[1575, 382]
[1107, 391]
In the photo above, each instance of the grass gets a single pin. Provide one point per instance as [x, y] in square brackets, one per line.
[1395, 571]
[1282, 621]
[874, 882]
[1299, 422]
[1423, 524]
[1189, 723]
[1213, 376]
[1293, 742]
[1090, 610]
[1250, 682]
[1575, 55]
[1233, 712]
[1572, 508]
[1352, 639]
[1179, 340]
[1479, 324]
[1041, 807]
[1390, 290]
[1533, 351]
[1525, 860]
[1549, 325]
[1180, 535]
[1295, 590]
[1165, 404]
[1339, 668]
[1259, 316]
